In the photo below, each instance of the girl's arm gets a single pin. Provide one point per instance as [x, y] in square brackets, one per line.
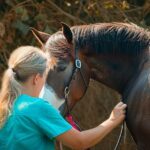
[85, 139]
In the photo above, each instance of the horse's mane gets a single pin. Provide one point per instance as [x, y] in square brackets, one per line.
[116, 38]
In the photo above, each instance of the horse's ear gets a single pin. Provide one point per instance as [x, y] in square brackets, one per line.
[67, 32]
[41, 37]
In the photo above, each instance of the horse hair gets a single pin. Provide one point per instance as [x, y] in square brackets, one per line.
[106, 38]
[116, 38]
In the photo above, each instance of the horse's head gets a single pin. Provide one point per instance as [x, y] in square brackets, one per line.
[65, 75]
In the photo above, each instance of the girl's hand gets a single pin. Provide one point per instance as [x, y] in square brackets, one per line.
[118, 113]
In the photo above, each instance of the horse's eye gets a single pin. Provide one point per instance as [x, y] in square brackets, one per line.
[61, 68]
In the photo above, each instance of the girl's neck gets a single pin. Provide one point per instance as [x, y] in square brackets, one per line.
[29, 89]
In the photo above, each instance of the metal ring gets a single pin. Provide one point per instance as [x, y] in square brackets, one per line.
[78, 63]
[66, 91]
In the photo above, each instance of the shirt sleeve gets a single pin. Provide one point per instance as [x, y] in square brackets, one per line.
[50, 121]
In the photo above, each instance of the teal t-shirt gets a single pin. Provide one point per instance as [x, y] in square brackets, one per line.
[32, 125]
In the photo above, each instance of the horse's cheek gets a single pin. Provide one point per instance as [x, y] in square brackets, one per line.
[76, 91]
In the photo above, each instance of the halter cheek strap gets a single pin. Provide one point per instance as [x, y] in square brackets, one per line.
[77, 67]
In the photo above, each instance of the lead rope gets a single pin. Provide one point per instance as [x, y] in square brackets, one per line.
[60, 145]
[120, 135]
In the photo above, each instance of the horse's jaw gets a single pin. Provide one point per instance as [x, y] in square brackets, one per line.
[48, 94]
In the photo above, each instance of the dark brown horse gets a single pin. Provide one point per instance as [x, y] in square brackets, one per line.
[116, 54]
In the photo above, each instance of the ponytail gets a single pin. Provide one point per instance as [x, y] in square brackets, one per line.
[11, 89]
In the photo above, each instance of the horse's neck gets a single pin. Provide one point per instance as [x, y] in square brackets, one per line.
[114, 72]
[138, 80]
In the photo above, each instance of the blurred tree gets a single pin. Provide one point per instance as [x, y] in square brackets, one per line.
[17, 16]
[137, 2]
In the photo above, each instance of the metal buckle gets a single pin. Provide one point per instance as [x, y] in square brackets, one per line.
[78, 63]
[66, 91]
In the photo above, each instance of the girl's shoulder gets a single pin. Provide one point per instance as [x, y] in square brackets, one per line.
[28, 105]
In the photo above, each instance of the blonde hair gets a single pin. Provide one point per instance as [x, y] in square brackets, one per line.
[23, 62]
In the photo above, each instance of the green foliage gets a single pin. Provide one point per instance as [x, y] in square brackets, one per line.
[17, 16]
[21, 26]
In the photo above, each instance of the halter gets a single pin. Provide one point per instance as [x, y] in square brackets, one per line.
[77, 67]
[67, 91]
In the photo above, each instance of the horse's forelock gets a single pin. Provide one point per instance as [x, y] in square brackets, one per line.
[57, 46]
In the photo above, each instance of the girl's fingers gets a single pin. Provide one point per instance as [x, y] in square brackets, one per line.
[123, 106]
[119, 104]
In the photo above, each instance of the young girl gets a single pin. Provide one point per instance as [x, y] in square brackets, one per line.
[28, 122]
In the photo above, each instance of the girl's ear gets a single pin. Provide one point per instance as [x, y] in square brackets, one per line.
[41, 37]
[36, 79]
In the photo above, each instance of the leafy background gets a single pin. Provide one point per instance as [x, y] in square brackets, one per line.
[17, 16]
